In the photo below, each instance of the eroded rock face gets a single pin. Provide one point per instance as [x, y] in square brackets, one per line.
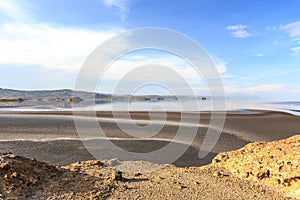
[275, 163]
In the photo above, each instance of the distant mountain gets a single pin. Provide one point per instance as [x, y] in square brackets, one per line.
[48, 94]
[67, 93]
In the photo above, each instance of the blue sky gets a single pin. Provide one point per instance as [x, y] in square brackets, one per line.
[254, 44]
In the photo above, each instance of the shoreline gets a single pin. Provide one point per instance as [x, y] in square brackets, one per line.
[240, 112]
[52, 136]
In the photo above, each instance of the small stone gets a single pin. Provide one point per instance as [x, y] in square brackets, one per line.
[12, 156]
[14, 174]
[220, 173]
[225, 157]
[245, 174]
[138, 174]
[178, 187]
[118, 176]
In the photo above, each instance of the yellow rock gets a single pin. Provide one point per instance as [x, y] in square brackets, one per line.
[274, 163]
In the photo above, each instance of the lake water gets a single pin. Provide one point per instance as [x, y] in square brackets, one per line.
[231, 105]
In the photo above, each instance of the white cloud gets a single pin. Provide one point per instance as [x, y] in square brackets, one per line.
[239, 31]
[255, 89]
[132, 61]
[221, 66]
[12, 10]
[53, 46]
[226, 75]
[295, 50]
[293, 30]
[259, 55]
[66, 48]
[122, 5]
[27, 42]
[50, 46]
[174, 71]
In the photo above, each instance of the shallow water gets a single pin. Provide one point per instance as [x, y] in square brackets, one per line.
[188, 105]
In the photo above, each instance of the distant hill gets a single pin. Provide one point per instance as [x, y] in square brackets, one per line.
[47, 94]
[67, 93]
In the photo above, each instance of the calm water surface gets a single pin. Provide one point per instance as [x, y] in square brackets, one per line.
[231, 105]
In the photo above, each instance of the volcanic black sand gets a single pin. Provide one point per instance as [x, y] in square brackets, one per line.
[52, 136]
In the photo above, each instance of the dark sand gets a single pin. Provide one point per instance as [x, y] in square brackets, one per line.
[52, 136]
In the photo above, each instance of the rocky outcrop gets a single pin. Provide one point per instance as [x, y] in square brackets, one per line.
[274, 163]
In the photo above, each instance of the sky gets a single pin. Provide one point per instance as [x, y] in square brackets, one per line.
[255, 45]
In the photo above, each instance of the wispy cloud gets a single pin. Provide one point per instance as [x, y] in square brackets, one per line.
[255, 89]
[27, 42]
[12, 10]
[220, 65]
[128, 65]
[122, 5]
[239, 31]
[259, 55]
[296, 50]
[50, 46]
[293, 30]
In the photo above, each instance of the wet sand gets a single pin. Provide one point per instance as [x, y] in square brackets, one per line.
[52, 136]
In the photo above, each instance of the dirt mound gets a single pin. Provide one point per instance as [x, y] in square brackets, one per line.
[274, 163]
[19, 175]
[23, 178]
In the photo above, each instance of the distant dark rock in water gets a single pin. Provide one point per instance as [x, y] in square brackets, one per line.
[203, 98]
[102, 96]
[11, 99]
[56, 99]
[75, 99]
[139, 99]
[108, 99]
